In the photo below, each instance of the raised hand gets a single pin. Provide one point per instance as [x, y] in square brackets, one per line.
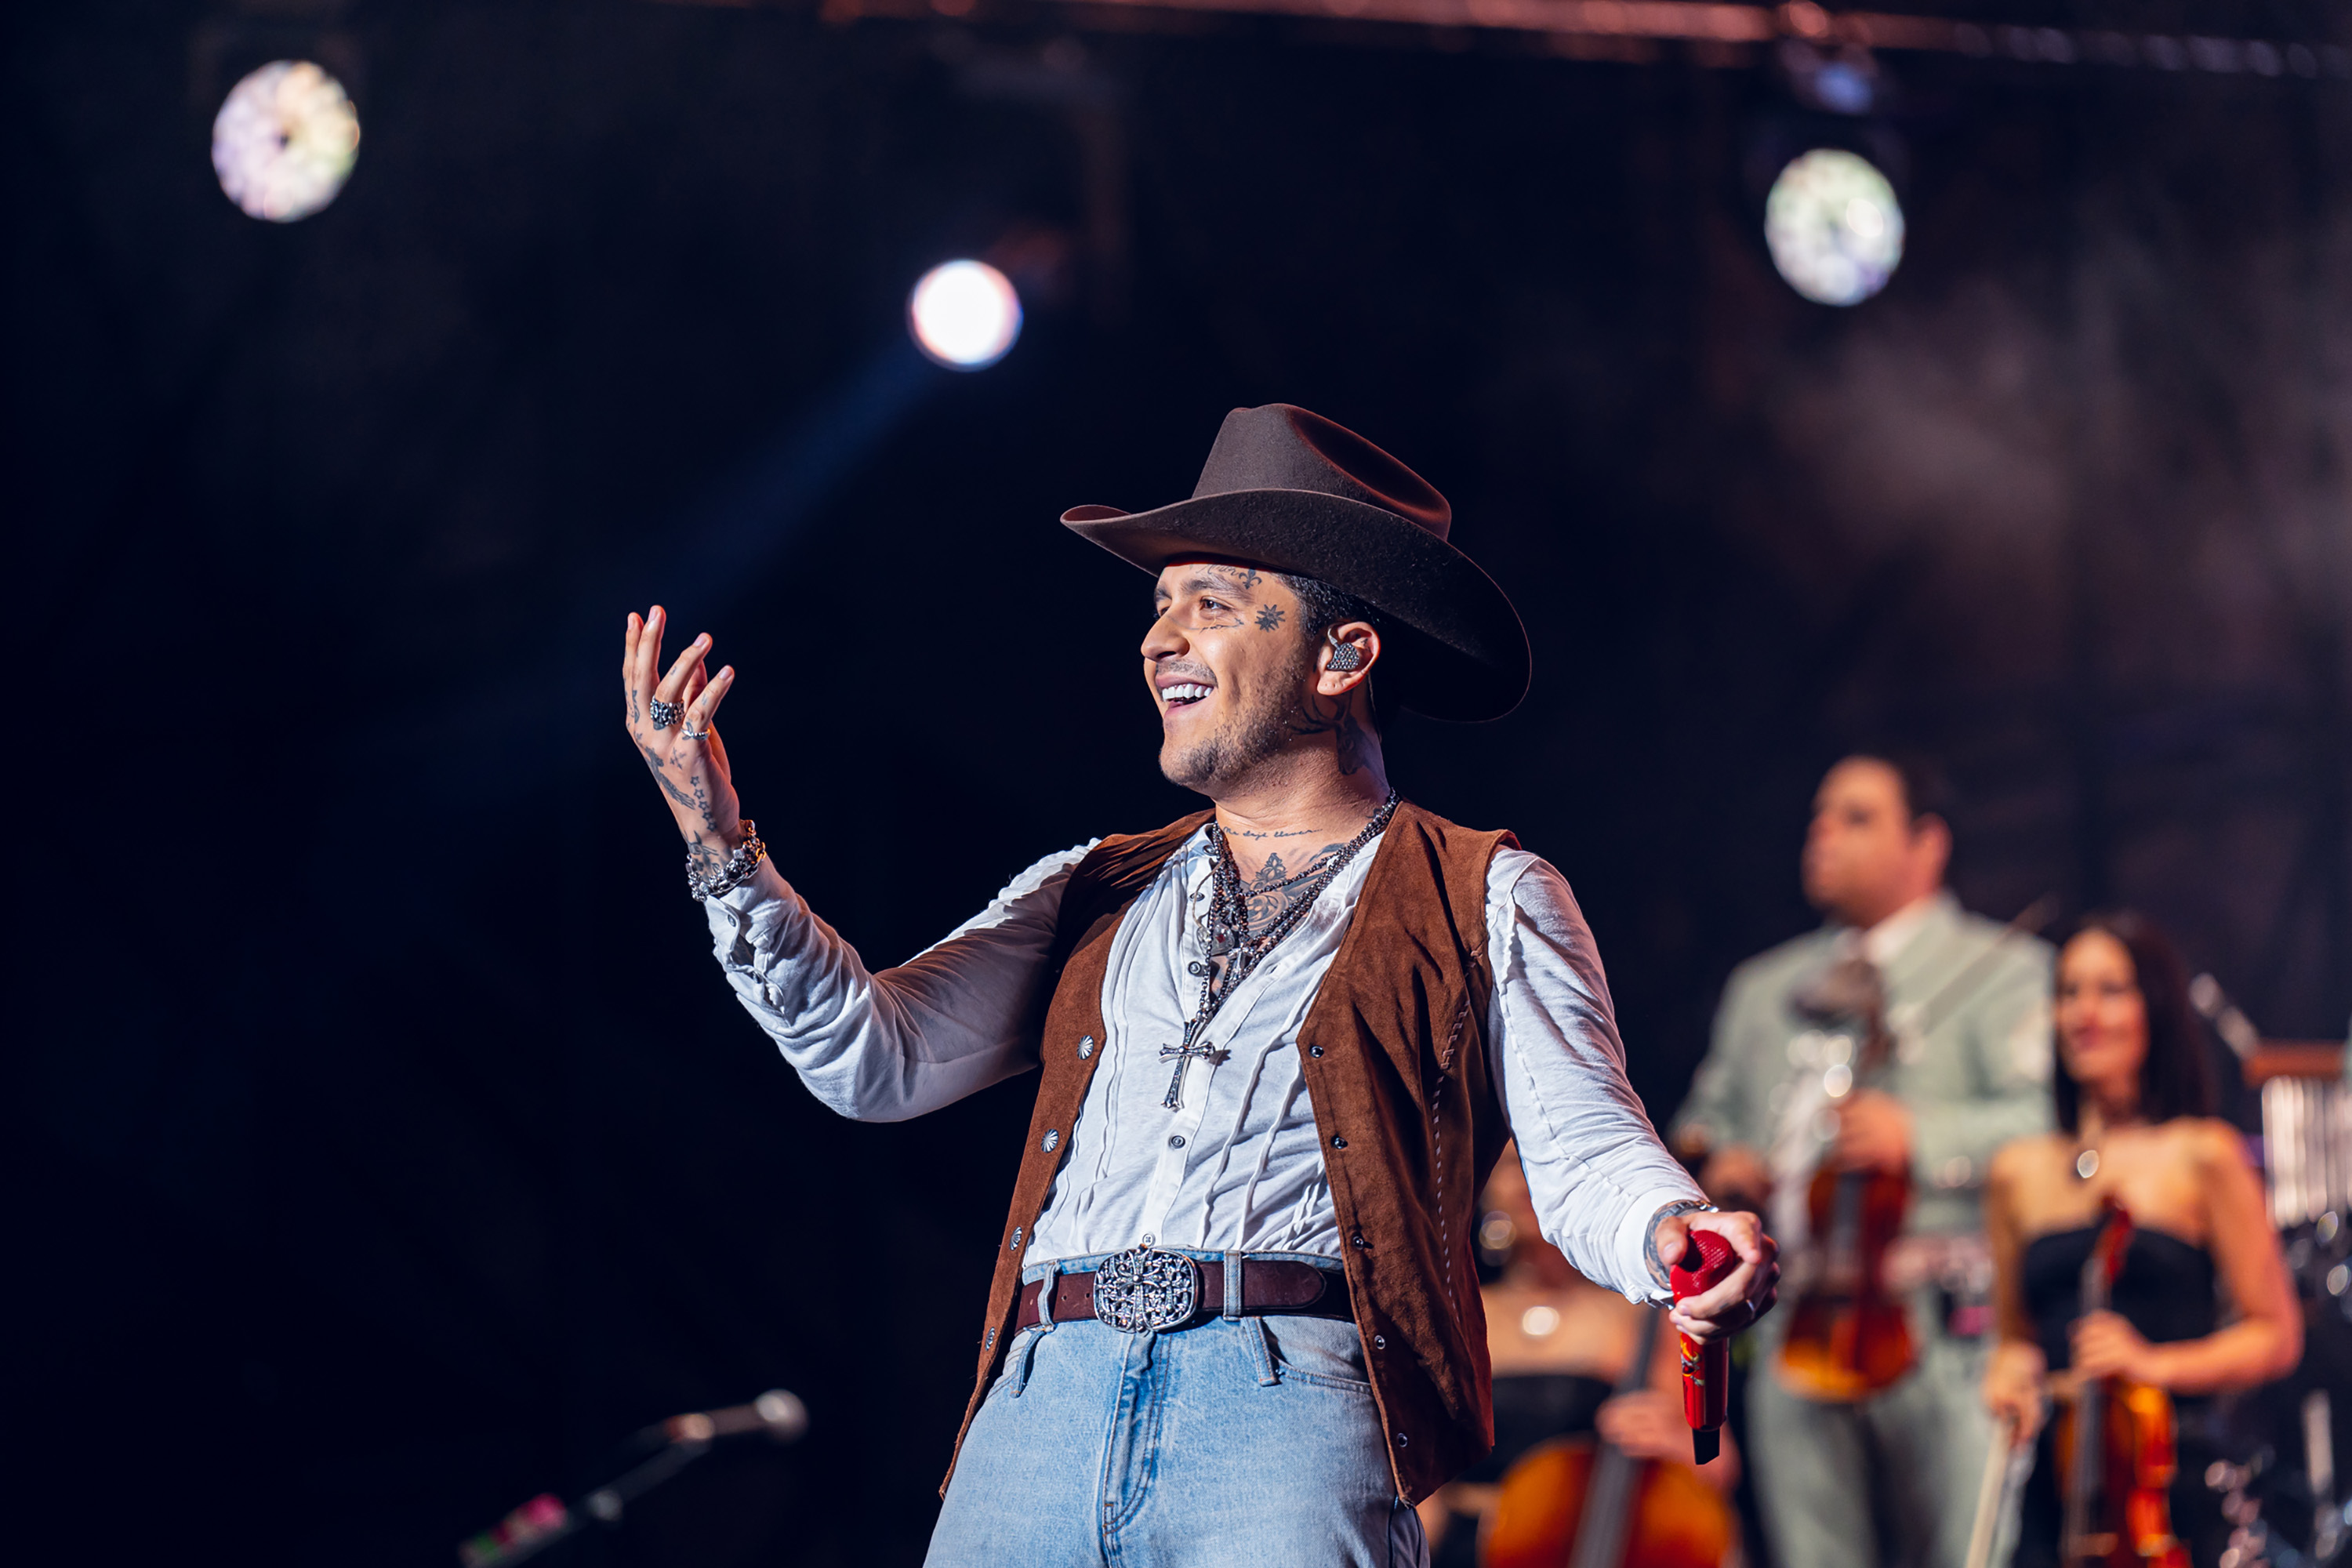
[685, 755]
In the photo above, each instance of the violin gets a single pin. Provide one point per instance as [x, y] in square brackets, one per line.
[2117, 1439]
[1848, 1336]
[1579, 1502]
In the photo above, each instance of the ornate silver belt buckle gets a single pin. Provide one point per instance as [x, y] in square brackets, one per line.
[1144, 1289]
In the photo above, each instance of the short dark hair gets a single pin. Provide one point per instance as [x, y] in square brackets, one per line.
[1926, 787]
[2177, 1078]
[1321, 606]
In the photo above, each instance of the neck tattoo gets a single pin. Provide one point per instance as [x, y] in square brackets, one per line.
[1226, 934]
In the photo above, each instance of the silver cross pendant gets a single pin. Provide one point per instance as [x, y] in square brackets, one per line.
[1182, 1056]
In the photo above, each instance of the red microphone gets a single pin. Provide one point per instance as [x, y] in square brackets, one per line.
[1706, 1263]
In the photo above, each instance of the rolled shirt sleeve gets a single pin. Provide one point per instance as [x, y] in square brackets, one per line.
[885, 1046]
[1596, 1170]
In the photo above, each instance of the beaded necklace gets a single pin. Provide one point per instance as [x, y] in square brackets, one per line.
[1225, 933]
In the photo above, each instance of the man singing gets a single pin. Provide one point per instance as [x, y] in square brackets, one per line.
[1235, 1318]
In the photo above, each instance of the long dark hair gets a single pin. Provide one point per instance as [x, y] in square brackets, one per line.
[2176, 1079]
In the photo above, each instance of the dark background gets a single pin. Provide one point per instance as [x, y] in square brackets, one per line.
[383, 1146]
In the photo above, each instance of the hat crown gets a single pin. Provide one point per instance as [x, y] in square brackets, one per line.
[1279, 447]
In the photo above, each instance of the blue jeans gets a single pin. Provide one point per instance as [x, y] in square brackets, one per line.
[1239, 1442]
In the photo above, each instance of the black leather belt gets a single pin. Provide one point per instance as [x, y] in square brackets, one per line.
[1145, 1289]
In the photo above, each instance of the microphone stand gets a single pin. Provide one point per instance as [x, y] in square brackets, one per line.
[677, 1442]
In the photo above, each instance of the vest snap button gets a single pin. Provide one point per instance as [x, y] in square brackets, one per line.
[1380, 1341]
[1016, 1239]
[1086, 1046]
[1403, 1440]
[1356, 1238]
[1338, 1142]
[1052, 1140]
[1314, 1050]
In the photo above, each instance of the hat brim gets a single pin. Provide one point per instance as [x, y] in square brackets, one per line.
[1466, 656]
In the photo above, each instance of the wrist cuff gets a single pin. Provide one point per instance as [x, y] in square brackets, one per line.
[1642, 1217]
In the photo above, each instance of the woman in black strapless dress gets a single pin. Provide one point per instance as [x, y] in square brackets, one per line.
[2201, 1305]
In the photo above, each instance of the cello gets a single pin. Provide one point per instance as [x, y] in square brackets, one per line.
[2116, 1440]
[1582, 1502]
[1848, 1336]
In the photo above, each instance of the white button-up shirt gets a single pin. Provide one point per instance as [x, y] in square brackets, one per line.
[1238, 1166]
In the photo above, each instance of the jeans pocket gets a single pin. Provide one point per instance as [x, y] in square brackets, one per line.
[1018, 1356]
[1326, 1352]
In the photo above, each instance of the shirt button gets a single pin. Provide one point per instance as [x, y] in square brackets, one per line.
[1177, 1141]
[1338, 1142]
[1052, 1140]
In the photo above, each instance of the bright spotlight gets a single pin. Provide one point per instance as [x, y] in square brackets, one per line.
[1834, 227]
[964, 314]
[285, 141]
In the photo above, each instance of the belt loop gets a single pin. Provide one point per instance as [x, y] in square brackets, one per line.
[1269, 1372]
[1045, 1295]
[1233, 1286]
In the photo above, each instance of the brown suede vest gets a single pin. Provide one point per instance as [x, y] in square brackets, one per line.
[1393, 1053]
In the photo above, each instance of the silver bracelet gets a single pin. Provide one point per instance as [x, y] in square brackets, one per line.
[735, 873]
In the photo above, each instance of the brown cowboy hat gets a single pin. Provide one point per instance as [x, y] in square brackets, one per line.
[1292, 492]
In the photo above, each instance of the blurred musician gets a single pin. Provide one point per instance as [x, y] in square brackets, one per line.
[1558, 1343]
[1960, 1011]
[2133, 1098]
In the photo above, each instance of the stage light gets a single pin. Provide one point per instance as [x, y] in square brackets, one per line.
[1840, 79]
[964, 314]
[1834, 227]
[285, 141]
[1844, 87]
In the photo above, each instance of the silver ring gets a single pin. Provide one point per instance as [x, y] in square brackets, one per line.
[665, 713]
[690, 732]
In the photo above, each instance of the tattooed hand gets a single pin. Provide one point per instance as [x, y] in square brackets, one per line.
[693, 774]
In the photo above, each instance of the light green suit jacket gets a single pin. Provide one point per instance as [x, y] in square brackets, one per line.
[1977, 1077]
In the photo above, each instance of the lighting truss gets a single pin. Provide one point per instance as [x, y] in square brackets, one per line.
[1721, 32]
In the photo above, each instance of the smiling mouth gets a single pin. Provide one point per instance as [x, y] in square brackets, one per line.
[1184, 695]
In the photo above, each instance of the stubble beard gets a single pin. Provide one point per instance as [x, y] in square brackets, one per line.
[1245, 743]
